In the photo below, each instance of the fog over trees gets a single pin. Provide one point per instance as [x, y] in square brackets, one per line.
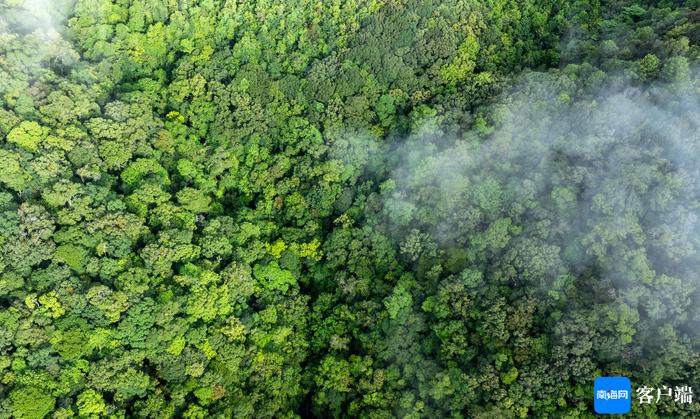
[359, 208]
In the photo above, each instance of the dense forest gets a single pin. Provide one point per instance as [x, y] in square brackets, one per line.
[347, 208]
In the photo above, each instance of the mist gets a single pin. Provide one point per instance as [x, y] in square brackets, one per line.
[34, 39]
[42, 17]
[584, 202]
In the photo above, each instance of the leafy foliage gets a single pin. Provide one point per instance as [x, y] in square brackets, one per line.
[345, 208]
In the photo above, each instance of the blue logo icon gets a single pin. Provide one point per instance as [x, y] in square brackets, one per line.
[612, 395]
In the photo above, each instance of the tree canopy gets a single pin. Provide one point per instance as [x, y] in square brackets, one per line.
[361, 208]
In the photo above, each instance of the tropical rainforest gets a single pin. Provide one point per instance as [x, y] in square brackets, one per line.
[347, 208]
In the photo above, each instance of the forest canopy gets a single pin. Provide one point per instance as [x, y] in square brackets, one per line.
[347, 208]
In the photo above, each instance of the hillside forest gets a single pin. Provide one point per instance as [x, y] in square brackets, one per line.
[347, 208]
